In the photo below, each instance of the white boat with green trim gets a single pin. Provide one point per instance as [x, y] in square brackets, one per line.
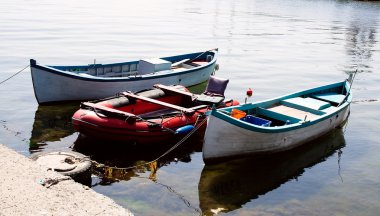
[94, 81]
[277, 124]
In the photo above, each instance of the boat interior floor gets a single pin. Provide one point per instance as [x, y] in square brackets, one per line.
[160, 113]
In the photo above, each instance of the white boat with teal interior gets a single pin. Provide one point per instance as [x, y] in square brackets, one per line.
[277, 124]
[94, 81]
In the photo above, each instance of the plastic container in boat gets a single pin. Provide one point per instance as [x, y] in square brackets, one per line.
[256, 121]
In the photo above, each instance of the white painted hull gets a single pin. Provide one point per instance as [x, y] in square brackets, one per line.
[223, 139]
[51, 87]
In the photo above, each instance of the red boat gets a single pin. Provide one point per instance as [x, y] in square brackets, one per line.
[149, 116]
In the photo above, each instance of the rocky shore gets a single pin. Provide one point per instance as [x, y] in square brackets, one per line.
[27, 188]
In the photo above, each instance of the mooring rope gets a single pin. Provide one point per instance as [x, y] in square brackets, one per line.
[14, 75]
[16, 133]
[100, 165]
[180, 196]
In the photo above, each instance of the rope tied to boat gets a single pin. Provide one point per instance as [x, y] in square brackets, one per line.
[14, 75]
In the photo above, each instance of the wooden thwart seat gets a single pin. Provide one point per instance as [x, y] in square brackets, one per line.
[295, 113]
[187, 111]
[277, 115]
[330, 97]
[306, 104]
[107, 109]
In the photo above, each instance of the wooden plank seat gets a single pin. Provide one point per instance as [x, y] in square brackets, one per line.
[97, 107]
[284, 117]
[295, 113]
[187, 111]
[202, 106]
[334, 98]
[306, 104]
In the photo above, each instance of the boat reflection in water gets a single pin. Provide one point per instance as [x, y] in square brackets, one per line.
[113, 157]
[227, 186]
[51, 123]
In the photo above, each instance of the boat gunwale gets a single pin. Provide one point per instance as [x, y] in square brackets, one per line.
[221, 113]
[149, 76]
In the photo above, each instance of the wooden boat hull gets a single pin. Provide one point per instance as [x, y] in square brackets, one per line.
[227, 137]
[59, 83]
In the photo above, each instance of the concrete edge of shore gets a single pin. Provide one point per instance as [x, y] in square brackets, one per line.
[22, 193]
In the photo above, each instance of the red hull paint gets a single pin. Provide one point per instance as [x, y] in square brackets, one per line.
[148, 131]
[130, 135]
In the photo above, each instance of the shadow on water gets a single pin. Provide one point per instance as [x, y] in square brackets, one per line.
[121, 161]
[51, 123]
[227, 186]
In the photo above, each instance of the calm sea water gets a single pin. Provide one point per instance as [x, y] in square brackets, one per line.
[274, 47]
